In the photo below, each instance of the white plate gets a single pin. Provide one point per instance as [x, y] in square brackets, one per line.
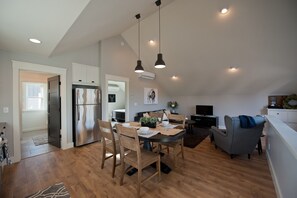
[146, 133]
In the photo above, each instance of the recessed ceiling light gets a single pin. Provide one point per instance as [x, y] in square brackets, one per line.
[233, 69]
[224, 10]
[33, 40]
[174, 77]
[152, 42]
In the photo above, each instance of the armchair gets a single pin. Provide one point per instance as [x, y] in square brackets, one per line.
[236, 140]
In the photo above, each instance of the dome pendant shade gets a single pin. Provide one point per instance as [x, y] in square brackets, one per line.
[139, 68]
[160, 63]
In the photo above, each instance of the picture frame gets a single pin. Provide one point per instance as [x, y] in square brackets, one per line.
[111, 98]
[150, 96]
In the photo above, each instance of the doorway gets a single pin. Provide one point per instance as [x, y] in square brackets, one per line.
[17, 126]
[34, 113]
[116, 100]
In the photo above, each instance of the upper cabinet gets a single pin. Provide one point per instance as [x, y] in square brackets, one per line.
[85, 74]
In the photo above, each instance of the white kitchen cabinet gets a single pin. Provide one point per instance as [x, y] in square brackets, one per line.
[85, 74]
[289, 116]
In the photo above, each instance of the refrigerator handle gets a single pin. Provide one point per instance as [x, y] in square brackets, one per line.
[78, 116]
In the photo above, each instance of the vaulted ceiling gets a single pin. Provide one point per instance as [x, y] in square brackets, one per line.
[198, 43]
[66, 25]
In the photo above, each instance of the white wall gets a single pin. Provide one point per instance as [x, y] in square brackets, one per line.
[282, 157]
[118, 59]
[34, 120]
[88, 56]
[232, 105]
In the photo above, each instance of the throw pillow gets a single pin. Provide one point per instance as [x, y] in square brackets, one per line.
[146, 115]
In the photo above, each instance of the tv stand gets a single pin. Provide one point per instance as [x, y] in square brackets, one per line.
[205, 120]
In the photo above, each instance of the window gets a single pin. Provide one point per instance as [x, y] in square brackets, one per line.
[34, 96]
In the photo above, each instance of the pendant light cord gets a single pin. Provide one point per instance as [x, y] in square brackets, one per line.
[159, 29]
[139, 38]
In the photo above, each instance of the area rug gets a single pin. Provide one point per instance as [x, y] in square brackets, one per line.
[41, 139]
[55, 191]
[193, 137]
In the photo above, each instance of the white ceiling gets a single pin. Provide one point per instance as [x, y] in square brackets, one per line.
[65, 25]
[198, 44]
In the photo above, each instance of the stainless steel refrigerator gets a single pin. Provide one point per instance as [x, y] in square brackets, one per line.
[86, 112]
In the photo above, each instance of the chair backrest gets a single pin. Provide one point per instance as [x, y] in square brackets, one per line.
[128, 138]
[177, 119]
[156, 115]
[106, 132]
[243, 139]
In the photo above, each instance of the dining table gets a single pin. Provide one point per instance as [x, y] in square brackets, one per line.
[161, 133]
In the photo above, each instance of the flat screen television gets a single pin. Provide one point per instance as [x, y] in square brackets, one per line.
[204, 109]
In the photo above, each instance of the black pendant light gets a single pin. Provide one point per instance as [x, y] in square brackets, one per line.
[159, 63]
[138, 68]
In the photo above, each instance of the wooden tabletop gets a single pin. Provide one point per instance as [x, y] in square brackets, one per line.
[161, 137]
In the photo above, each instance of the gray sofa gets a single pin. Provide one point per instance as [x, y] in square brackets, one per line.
[236, 140]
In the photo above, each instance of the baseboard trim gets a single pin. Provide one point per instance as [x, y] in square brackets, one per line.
[68, 146]
[274, 177]
[34, 129]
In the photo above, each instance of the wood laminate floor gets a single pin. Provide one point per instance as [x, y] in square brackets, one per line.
[205, 172]
[29, 149]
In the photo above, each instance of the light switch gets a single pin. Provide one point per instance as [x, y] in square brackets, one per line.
[5, 110]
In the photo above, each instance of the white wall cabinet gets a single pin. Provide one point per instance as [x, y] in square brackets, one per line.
[85, 74]
[289, 116]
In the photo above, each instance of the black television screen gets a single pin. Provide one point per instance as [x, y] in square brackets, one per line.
[204, 109]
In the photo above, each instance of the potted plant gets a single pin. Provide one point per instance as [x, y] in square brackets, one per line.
[150, 122]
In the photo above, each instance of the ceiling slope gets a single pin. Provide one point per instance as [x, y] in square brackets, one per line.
[46, 20]
[199, 45]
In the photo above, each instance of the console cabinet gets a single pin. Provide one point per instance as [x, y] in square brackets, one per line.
[288, 116]
[205, 121]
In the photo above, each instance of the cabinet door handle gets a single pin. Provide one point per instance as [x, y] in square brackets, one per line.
[93, 81]
[277, 113]
[79, 80]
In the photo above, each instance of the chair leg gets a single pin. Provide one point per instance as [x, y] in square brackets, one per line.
[249, 156]
[167, 149]
[175, 156]
[139, 182]
[114, 164]
[103, 157]
[159, 167]
[231, 156]
[123, 172]
[259, 146]
[182, 149]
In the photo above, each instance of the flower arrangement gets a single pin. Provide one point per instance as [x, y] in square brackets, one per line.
[172, 104]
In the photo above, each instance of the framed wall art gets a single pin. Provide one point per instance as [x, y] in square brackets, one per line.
[111, 98]
[150, 96]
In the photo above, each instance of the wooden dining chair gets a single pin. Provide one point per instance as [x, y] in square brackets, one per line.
[137, 157]
[178, 145]
[110, 144]
[158, 115]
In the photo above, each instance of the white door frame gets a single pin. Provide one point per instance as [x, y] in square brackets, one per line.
[17, 126]
[105, 93]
